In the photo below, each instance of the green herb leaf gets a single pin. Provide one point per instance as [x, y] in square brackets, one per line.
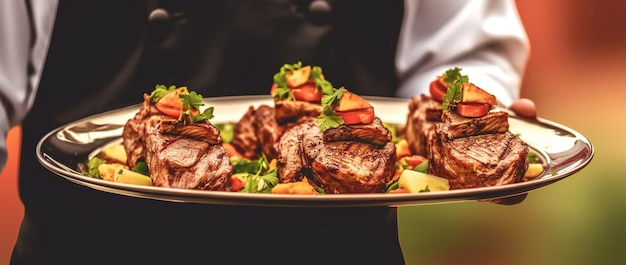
[328, 119]
[92, 167]
[455, 84]
[422, 167]
[142, 168]
[160, 91]
[283, 92]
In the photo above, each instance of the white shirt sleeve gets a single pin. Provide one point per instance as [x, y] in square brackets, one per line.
[483, 37]
[25, 27]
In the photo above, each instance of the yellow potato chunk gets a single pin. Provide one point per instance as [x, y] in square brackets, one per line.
[534, 170]
[115, 153]
[419, 182]
[132, 177]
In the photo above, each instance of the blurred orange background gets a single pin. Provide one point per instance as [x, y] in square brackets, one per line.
[577, 61]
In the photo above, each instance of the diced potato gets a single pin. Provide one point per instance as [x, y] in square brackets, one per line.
[534, 170]
[107, 171]
[350, 101]
[298, 77]
[298, 187]
[418, 182]
[116, 153]
[472, 93]
[132, 177]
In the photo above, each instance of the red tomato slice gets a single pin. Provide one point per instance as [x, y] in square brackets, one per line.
[169, 110]
[438, 89]
[416, 160]
[470, 109]
[365, 116]
[307, 92]
[236, 184]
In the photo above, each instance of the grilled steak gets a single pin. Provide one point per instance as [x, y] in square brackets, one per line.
[186, 156]
[477, 152]
[288, 111]
[424, 113]
[374, 133]
[134, 130]
[245, 138]
[344, 164]
[259, 130]
[178, 156]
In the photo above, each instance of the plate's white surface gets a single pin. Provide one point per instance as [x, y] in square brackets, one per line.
[563, 151]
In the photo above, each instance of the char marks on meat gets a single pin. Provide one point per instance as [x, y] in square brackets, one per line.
[259, 130]
[245, 138]
[338, 166]
[374, 133]
[288, 111]
[477, 152]
[424, 113]
[178, 158]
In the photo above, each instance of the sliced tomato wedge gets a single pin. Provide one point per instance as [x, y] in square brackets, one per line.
[437, 89]
[471, 109]
[307, 92]
[169, 110]
[416, 160]
[236, 184]
[365, 116]
[170, 103]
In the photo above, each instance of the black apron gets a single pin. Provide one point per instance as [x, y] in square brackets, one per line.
[106, 54]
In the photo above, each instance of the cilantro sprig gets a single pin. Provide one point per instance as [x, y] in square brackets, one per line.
[282, 91]
[455, 81]
[256, 174]
[328, 118]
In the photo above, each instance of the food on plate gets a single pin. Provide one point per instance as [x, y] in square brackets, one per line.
[317, 139]
[472, 146]
[131, 177]
[424, 113]
[179, 145]
[297, 91]
[336, 156]
[415, 182]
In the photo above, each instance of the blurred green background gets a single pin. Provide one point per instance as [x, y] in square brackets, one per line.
[575, 72]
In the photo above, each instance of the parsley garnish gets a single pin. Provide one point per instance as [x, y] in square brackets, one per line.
[189, 101]
[328, 118]
[455, 83]
[160, 91]
[282, 91]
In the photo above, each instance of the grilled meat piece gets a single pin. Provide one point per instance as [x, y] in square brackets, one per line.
[178, 158]
[457, 126]
[134, 130]
[259, 130]
[339, 166]
[374, 133]
[424, 113]
[245, 138]
[292, 163]
[288, 111]
[354, 167]
[477, 152]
